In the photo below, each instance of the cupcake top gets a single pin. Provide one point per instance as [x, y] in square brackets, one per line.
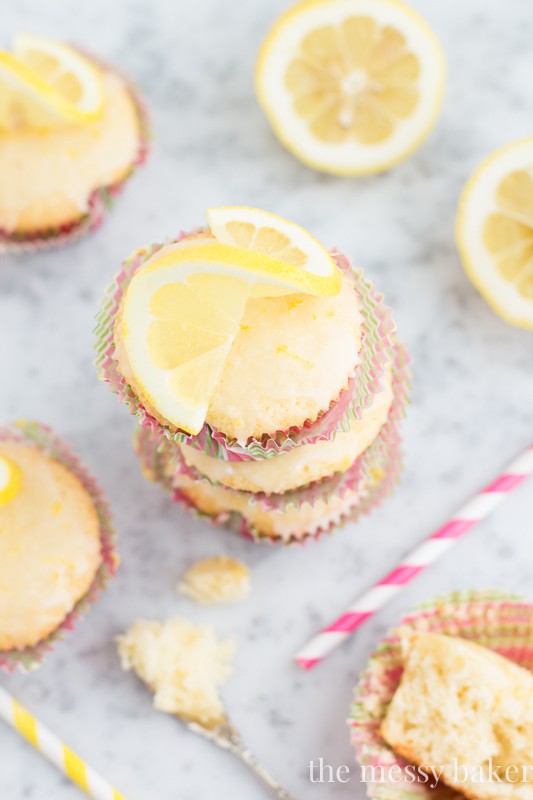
[210, 332]
[50, 549]
[50, 172]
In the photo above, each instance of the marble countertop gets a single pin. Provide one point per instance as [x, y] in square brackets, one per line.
[472, 406]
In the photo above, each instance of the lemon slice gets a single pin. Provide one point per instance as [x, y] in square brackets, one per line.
[263, 232]
[181, 313]
[495, 232]
[10, 480]
[45, 83]
[351, 86]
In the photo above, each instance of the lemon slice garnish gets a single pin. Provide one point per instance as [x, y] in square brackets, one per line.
[351, 86]
[263, 232]
[182, 311]
[10, 480]
[44, 84]
[495, 232]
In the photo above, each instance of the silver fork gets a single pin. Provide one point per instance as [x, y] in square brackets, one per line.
[225, 736]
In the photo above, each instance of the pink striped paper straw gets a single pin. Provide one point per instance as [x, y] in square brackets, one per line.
[422, 556]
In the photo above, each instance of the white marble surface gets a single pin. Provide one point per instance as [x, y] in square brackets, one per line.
[472, 405]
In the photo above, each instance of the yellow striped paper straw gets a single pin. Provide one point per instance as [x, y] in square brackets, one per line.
[55, 750]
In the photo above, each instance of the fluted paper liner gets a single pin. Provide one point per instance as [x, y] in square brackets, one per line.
[364, 384]
[374, 474]
[36, 434]
[500, 621]
[101, 200]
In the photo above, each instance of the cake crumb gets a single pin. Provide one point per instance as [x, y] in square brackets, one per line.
[216, 580]
[184, 666]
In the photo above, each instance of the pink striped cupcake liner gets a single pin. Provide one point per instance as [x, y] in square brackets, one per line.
[372, 478]
[359, 474]
[500, 621]
[101, 201]
[37, 434]
[377, 350]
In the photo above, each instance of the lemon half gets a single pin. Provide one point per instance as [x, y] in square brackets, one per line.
[495, 231]
[351, 86]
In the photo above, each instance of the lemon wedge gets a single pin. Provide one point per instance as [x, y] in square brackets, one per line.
[44, 84]
[182, 311]
[350, 86]
[263, 232]
[495, 232]
[10, 480]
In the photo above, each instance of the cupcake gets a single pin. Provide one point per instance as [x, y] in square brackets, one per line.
[470, 653]
[270, 400]
[72, 130]
[56, 542]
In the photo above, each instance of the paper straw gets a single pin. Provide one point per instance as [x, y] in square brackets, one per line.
[70, 764]
[481, 505]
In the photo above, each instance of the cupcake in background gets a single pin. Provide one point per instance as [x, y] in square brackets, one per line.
[72, 130]
[266, 372]
[471, 654]
[56, 542]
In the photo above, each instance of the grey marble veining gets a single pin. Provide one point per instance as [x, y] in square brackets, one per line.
[472, 404]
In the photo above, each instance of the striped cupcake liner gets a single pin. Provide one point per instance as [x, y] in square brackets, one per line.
[500, 621]
[375, 477]
[101, 201]
[36, 434]
[377, 350]
[172, 463]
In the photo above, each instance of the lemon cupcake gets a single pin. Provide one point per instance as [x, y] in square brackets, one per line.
[471, 653]
[265, 370]
[56, 542]
[72, 130]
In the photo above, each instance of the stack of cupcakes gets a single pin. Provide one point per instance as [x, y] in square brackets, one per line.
[302, 430]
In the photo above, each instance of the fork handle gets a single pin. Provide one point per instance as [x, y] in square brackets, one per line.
[226, 737]
[257, 769]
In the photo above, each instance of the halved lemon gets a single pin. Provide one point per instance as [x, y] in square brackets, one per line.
[10, 480]
[495, 232]
[263, 232]
[351, 86]
[44, 83]
[181, 313]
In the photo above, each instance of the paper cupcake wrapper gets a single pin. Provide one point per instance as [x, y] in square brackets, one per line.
[497, 620]
[377, 349]
[101, 200]
[378, 472]
[34, 433]
[170, 457]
